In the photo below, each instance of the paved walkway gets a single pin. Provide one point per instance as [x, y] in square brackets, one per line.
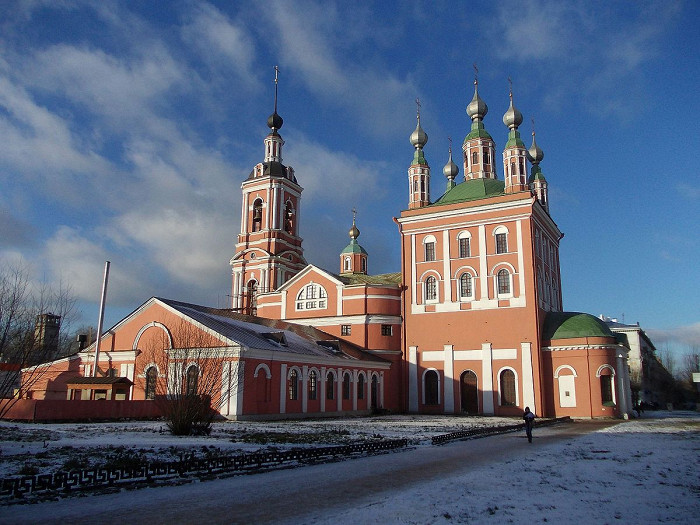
[293, 495]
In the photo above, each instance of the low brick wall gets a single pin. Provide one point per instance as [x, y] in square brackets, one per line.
[72, 410]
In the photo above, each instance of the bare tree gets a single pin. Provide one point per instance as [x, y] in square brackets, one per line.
[199, 377]
[31, 317]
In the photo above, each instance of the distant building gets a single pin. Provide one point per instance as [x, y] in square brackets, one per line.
[650, 382]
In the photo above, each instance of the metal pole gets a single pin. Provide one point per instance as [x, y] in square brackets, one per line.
[101, 319]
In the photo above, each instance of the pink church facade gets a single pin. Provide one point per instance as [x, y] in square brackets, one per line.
[472, 323]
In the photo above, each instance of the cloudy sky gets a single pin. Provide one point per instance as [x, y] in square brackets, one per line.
[126, 129]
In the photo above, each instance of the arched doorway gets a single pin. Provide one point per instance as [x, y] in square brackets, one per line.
[469, 392]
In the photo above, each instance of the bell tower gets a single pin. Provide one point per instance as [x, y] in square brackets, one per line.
[268, 251]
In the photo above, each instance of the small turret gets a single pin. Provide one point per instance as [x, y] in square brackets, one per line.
[514, 153]
[478, 147]
[450, 170]
[537, 181]
[419, 171]
[353, 258]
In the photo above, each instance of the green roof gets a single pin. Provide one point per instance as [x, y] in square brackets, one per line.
[478, 130]
[361, 278]
[354, 247]
[569, 325]
[471, 190]
[514, 139]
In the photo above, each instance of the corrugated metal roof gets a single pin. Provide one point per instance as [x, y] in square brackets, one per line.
[253, 332]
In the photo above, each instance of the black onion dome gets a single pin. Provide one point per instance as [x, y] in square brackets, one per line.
[274, 121]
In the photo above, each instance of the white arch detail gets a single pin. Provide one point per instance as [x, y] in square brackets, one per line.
[422, 381]
[263, 366]
[152, 324]
[564, 367]
[603, 367]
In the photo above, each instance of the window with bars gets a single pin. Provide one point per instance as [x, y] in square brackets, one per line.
[312, 386]
[503, 282]
[431, 289]
[464, 247]
[429, 251]
[151, 378]
[293, 385]
[501, 243]
[465, 285]
[386, 329]
[345, 329]
[192, 379]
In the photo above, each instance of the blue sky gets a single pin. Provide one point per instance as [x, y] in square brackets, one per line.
[126, 129]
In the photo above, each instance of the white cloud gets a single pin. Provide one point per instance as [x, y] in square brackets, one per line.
[222, 43]
[685, 335]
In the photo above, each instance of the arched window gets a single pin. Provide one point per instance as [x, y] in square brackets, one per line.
[507, 385]
[607, 395]
[487, 159]
[464, 247]
[312, 385]
[501, 234]
[192, 380]
[151, 378]
[431, 387]
[257, 215]
[289, 218]
[361, 386]
[465, 285]
[293, 385]
[415, 185]
[347, 264]
[364, 265]
[503, 282]
[252, 297]
[431, 289]
[346, 386]
[330, 386]
[429, 247]
[475, 157]
[312, 297]
[512, 168]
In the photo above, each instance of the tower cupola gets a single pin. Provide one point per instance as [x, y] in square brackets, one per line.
[450, 170]
[514, 153]
[419, 171]
[478, 147]
[353, 258]
[537, 181]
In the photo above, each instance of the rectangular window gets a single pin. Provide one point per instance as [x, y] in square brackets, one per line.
[429, 251]
[386, 329]
[464, 248]
[345, 329]
[501, 243]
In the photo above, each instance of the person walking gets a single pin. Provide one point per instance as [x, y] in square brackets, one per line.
[529, 419]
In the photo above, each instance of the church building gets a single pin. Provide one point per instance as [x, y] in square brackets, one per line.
[472, 323]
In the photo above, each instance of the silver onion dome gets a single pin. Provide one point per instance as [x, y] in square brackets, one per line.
[535, 154]
[419, 138]
[477, 108]
[450, 170]
[512, 118]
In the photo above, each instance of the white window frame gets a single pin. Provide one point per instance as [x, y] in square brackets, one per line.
[312, 296]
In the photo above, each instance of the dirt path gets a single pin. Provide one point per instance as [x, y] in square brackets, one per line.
[294, 495]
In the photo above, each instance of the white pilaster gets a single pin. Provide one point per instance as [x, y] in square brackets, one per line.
[528, 378]
[447, 283]
[521, 260]
[323, 388]
[413, 270]
[483, 266]
[487, 372]
[449, 395]
[413, 379]
[304, 388]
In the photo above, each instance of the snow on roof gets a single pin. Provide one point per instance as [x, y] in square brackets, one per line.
[255, 332]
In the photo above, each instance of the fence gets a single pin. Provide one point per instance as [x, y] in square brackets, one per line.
[486, 431]
[77, 410]
[150, 472]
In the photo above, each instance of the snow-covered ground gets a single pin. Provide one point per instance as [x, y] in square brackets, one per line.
[42, 448]
[640, 471]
